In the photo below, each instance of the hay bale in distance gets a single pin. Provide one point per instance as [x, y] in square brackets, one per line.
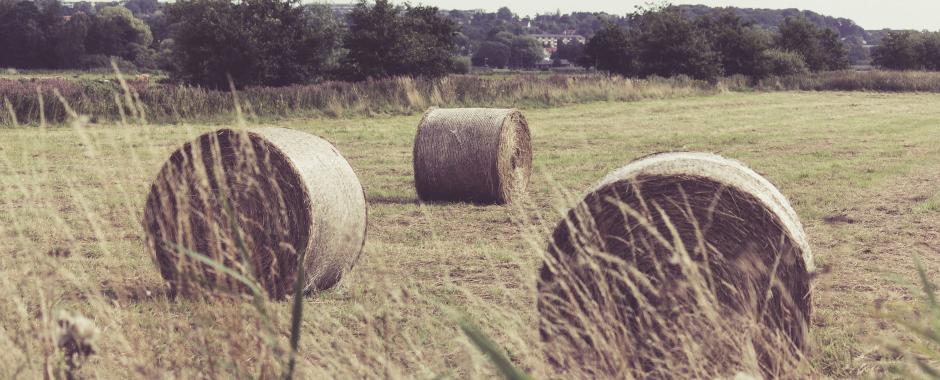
[473, 155]
[289, 193]
[667, 264]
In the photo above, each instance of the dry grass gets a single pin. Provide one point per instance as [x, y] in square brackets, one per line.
[31, 99]
[873, 80]
[679, 265]
[858, 168]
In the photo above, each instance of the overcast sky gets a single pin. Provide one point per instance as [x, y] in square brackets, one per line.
[870, 14]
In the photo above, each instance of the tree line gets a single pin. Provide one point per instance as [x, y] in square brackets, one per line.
[664, 42]
[252, 42]
[280, 42]
[36, 35]
[478, 26]
[908, 50]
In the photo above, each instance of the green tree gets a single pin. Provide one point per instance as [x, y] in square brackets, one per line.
[573, 51]
[324, 38]
[502, 37]
[667, 43]
[256, 42]
[115, 32]
[464, 44]
[505, 14]
[821, 49]
[740, 44]
[609, 50]
[142, 7]
[209, 45]
[294, 43]
[25, 33]
[388, 40]
[85, 7]
[908, 50]
[928, 51]
[70, 40]
[525, 52]
[491, 54]
[432, 40]
[898, 51]
[835, 55]
[859, 54]
[159, 26]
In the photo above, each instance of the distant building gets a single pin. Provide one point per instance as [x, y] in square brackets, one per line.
[550, 41]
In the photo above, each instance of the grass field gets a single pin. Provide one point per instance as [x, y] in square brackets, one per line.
[859, 168]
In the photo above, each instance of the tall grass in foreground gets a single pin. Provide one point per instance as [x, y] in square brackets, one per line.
[90, 208]
[140, 330]
[28, 99]
[659, 280]
[41, 334]
[922, 353]
[234, 336]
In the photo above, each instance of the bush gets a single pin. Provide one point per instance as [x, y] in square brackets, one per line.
[116, 32]
[460, 64]
[609, 50]
[781, 63]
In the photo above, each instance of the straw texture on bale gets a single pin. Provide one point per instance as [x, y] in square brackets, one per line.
[473, 155]
[622, 269]
[255, 201]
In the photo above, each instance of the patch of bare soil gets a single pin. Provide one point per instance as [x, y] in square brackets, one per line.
[838, 219]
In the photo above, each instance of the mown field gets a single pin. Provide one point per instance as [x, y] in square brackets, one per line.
[859, 168]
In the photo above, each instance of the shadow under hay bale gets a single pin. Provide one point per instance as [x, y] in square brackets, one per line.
[682, 265]
[254, 201]
[472, 155]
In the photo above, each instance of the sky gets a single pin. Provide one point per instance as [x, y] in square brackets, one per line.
[870, 14]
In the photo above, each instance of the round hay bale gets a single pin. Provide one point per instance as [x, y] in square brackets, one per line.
[255, 201]
[678, 264]
[472, 154]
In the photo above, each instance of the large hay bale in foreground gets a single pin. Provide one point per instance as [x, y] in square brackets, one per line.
[683, 265]
[255, 201]
[473, 155]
